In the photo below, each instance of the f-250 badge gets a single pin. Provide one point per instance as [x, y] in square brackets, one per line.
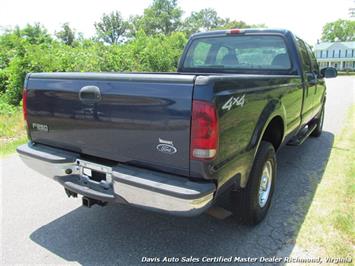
[40, 127]
[233, 101]
[166, 146]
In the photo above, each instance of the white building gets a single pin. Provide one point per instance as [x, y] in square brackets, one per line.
[340, 55]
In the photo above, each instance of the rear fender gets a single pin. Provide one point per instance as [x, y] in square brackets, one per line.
[273, 109]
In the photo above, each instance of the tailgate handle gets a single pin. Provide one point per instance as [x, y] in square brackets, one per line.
[90, 94]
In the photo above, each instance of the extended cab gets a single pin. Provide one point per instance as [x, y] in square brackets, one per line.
[174, 142]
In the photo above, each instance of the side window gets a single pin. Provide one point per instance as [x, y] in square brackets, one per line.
[314, 64]
[304, 56]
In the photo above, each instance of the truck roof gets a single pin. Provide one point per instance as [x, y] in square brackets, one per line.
[248, 30]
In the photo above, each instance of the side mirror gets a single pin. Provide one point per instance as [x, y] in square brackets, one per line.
[329, 72]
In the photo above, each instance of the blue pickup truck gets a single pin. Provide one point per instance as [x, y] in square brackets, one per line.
[176, 142]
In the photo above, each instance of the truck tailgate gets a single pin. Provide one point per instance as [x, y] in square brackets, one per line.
[141, 119]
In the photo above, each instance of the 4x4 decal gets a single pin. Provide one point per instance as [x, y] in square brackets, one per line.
[234, 101]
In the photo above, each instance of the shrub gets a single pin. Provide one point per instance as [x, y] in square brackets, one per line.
[7, 109]
[19, 56]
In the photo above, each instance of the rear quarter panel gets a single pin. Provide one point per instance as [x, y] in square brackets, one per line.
[241, 125]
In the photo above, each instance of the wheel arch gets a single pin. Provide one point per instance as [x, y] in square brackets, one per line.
[270, 126]
[274, 132]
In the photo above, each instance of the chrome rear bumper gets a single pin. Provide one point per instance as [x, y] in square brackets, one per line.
[124, 184]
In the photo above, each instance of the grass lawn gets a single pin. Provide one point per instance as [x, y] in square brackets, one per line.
[329, 228]
[12, 132]
[343, 73]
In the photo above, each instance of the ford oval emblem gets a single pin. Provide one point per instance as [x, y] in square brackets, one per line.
[166, 148]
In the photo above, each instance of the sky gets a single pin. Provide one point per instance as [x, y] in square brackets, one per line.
[304, 17]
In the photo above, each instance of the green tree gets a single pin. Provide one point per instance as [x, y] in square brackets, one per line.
[203, 20]
[208, 19]
[340, 30]
[135, 24]
[163, 16]
[237, 24]
[66, 35]
[34, 34]
[111, 28]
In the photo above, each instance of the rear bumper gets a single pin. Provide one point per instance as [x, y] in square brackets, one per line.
[135, 186]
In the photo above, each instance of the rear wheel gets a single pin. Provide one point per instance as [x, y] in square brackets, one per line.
[251, 203]
[318, 130]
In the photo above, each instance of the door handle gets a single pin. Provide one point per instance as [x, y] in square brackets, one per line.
[311, 78]
[90, 94]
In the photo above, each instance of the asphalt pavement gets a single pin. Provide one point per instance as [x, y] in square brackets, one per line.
[41, 225]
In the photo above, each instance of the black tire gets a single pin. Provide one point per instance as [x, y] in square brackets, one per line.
[319, 121]
[245, 202]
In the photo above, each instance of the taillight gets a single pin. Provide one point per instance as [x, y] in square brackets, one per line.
[204, 130]
[24, 104]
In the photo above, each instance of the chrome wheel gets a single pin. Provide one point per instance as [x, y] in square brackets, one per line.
[265, 184]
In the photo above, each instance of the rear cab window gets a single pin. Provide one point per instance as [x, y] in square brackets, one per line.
[243, 52]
